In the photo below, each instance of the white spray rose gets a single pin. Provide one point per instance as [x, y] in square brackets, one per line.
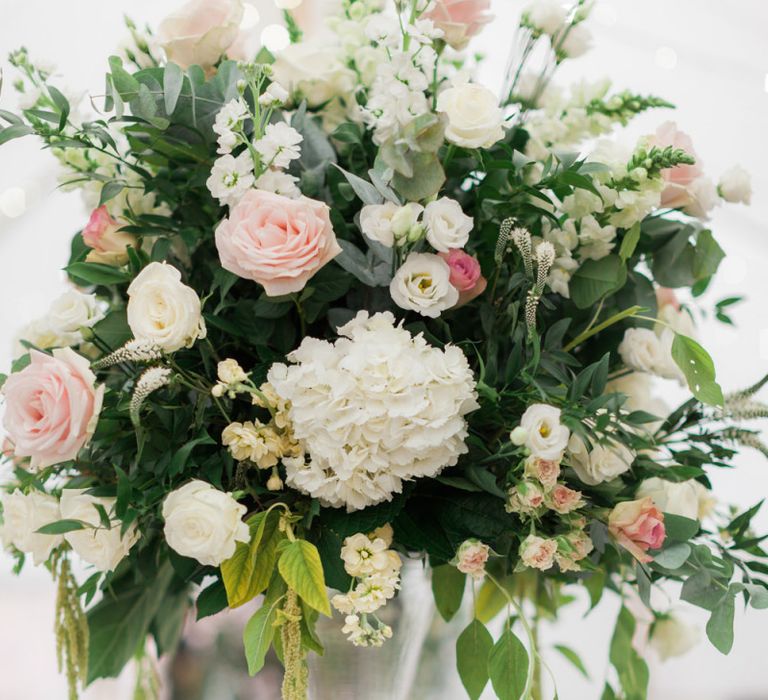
[447, 225]
[97, 545]
[601, 463]
[736, 185]
[204, 523]
[546, 437]
[376, 222]
[200, 32]
[547, 16]
[475, 119]
[679, 498]
[422, 284]
[640, 349]
[671, 637]
[163, 310]
[23, 515]
[72, 311]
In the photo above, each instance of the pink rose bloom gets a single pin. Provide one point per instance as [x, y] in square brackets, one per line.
[276, 241]
[538, 552]
[108, 243]
[460, 20]
[638, 526]
[563, 500]
[52, 407]
[465, 275]
[471, 558]
[676, 193]
[544, 470]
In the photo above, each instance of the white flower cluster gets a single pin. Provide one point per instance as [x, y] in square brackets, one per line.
[376, 407]
[376, 570]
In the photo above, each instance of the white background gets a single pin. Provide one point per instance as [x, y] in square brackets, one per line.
[711, 59]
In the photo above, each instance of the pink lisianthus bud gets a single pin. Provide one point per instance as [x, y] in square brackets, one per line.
[466, 275]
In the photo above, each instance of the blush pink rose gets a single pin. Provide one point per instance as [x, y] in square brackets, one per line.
[638, 526]
[276, 241]
[107, 242]
[544, 470]
[666, 296]
[460, 20]
[472, 557]
[563, 500]
[538, 552]
[678, 180]
[52, 407]
[465, 276]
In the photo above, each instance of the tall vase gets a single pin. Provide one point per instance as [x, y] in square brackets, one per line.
[416, 662]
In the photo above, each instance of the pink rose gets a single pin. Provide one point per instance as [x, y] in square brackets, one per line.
[471, 558]
[276, 241]
[465, 275]
[563, 500]
[108, 243]
[538, 552]
[460, 19]
[676, 193]
[52, 407]
[638, 526]
[665, 296]
[544, 470]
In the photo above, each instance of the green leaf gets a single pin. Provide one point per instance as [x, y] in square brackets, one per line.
[473, 648]
[673, 557]
[300, 567]
[448, 588]
[596, 279]
[489, 603]
[698, 368]
[707, 255]
[212, 600]
[631, 669]
[508, 666]
[260, 629]
[720, 625]
[62, 104]
[629, 242]
[574, 658]
[173, 79]
[113, 330]
[14, 131]
[126, 85]
[679, 528]
[182, 455]
[97, 273]
[365, 191]
[61, 526]
[428, 177]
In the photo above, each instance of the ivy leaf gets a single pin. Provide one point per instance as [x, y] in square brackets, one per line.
[508, 666]
[448, 585]
[300, 567]
[698, 368]
[473, 647]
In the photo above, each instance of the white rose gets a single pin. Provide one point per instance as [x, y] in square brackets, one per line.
[163, 310]
[315, 71]
[23, 516]
[97, 545]
[601, 463]
[577, 41]
[704, 198]
[200, 32]
[376, 222]
[671, 636]
[475, 119]
[422, 284]
[204, 523]
[447, 225]
[546, 437]
[72, 311]
[641, 349]
[736, 185]
[678, 498]
[547, 16]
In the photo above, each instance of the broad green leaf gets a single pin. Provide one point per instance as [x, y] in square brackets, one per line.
[14, 131]
[698, 368]
[300, 567]
[473, 648]
[574, 658]
[707, 255]
[448, 588]
[631, 669]
[428, 177]
[260, 629]
[720, 625]
[597, 278]
[629, 242]
[365, 191]
[61, 526]
[673, 557]
[126, 85]
[508, 666]
[97, 273]
[173, 79]
[211, 600]
[182, 455]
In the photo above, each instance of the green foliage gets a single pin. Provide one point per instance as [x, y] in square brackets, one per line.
[698, 368]
[473, 649]
[299, 565]
[508, 666]
[448, 585]
[631, 669]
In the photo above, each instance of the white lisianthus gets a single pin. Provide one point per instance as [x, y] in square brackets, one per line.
[736, 185]
[599, 464]
[103, 547]
[23, 515]
[163, 310]
[279, 145]
[546, 437]
[376, 222]
[231, 177]
[671, 637]
[548, 16]
[704, 198]
[475, 119]
[229, 118]
[204, 523]
[641, 350]
[362, 437]
[447, 225]
[278, 182]
[422, 284]
[679, 498]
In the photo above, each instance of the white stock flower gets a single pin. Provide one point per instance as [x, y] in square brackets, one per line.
[363, 556]
[475, 119]
[671, 637]
[373, 409]
[279, 145]
[576, 42]
[278, 182]
[547, 16]
[229, 118]
[546, 437]
[422, 284]
[231, 178]
[736, 185]
[103, 547]
[274, 95]
[23, 515]
[447, 225]
[601, 463]
[163, 310]
[679, 498]
[595, 241]
[204, 523]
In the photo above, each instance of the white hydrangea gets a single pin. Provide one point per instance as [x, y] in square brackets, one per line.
[375, 408]
[279, 145]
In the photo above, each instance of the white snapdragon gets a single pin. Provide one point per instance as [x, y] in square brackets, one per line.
[547, 16]
[274, 95]
[576, 42]
[231, 177]
[546, 436]
[279, 145]
[447, 225]
[736, 185]
[23, 516]
[228, 123]
[599, 464]
[422, 284]
[475, 119]
[595, 241]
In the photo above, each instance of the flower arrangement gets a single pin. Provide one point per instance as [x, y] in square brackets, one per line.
[339, 306]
